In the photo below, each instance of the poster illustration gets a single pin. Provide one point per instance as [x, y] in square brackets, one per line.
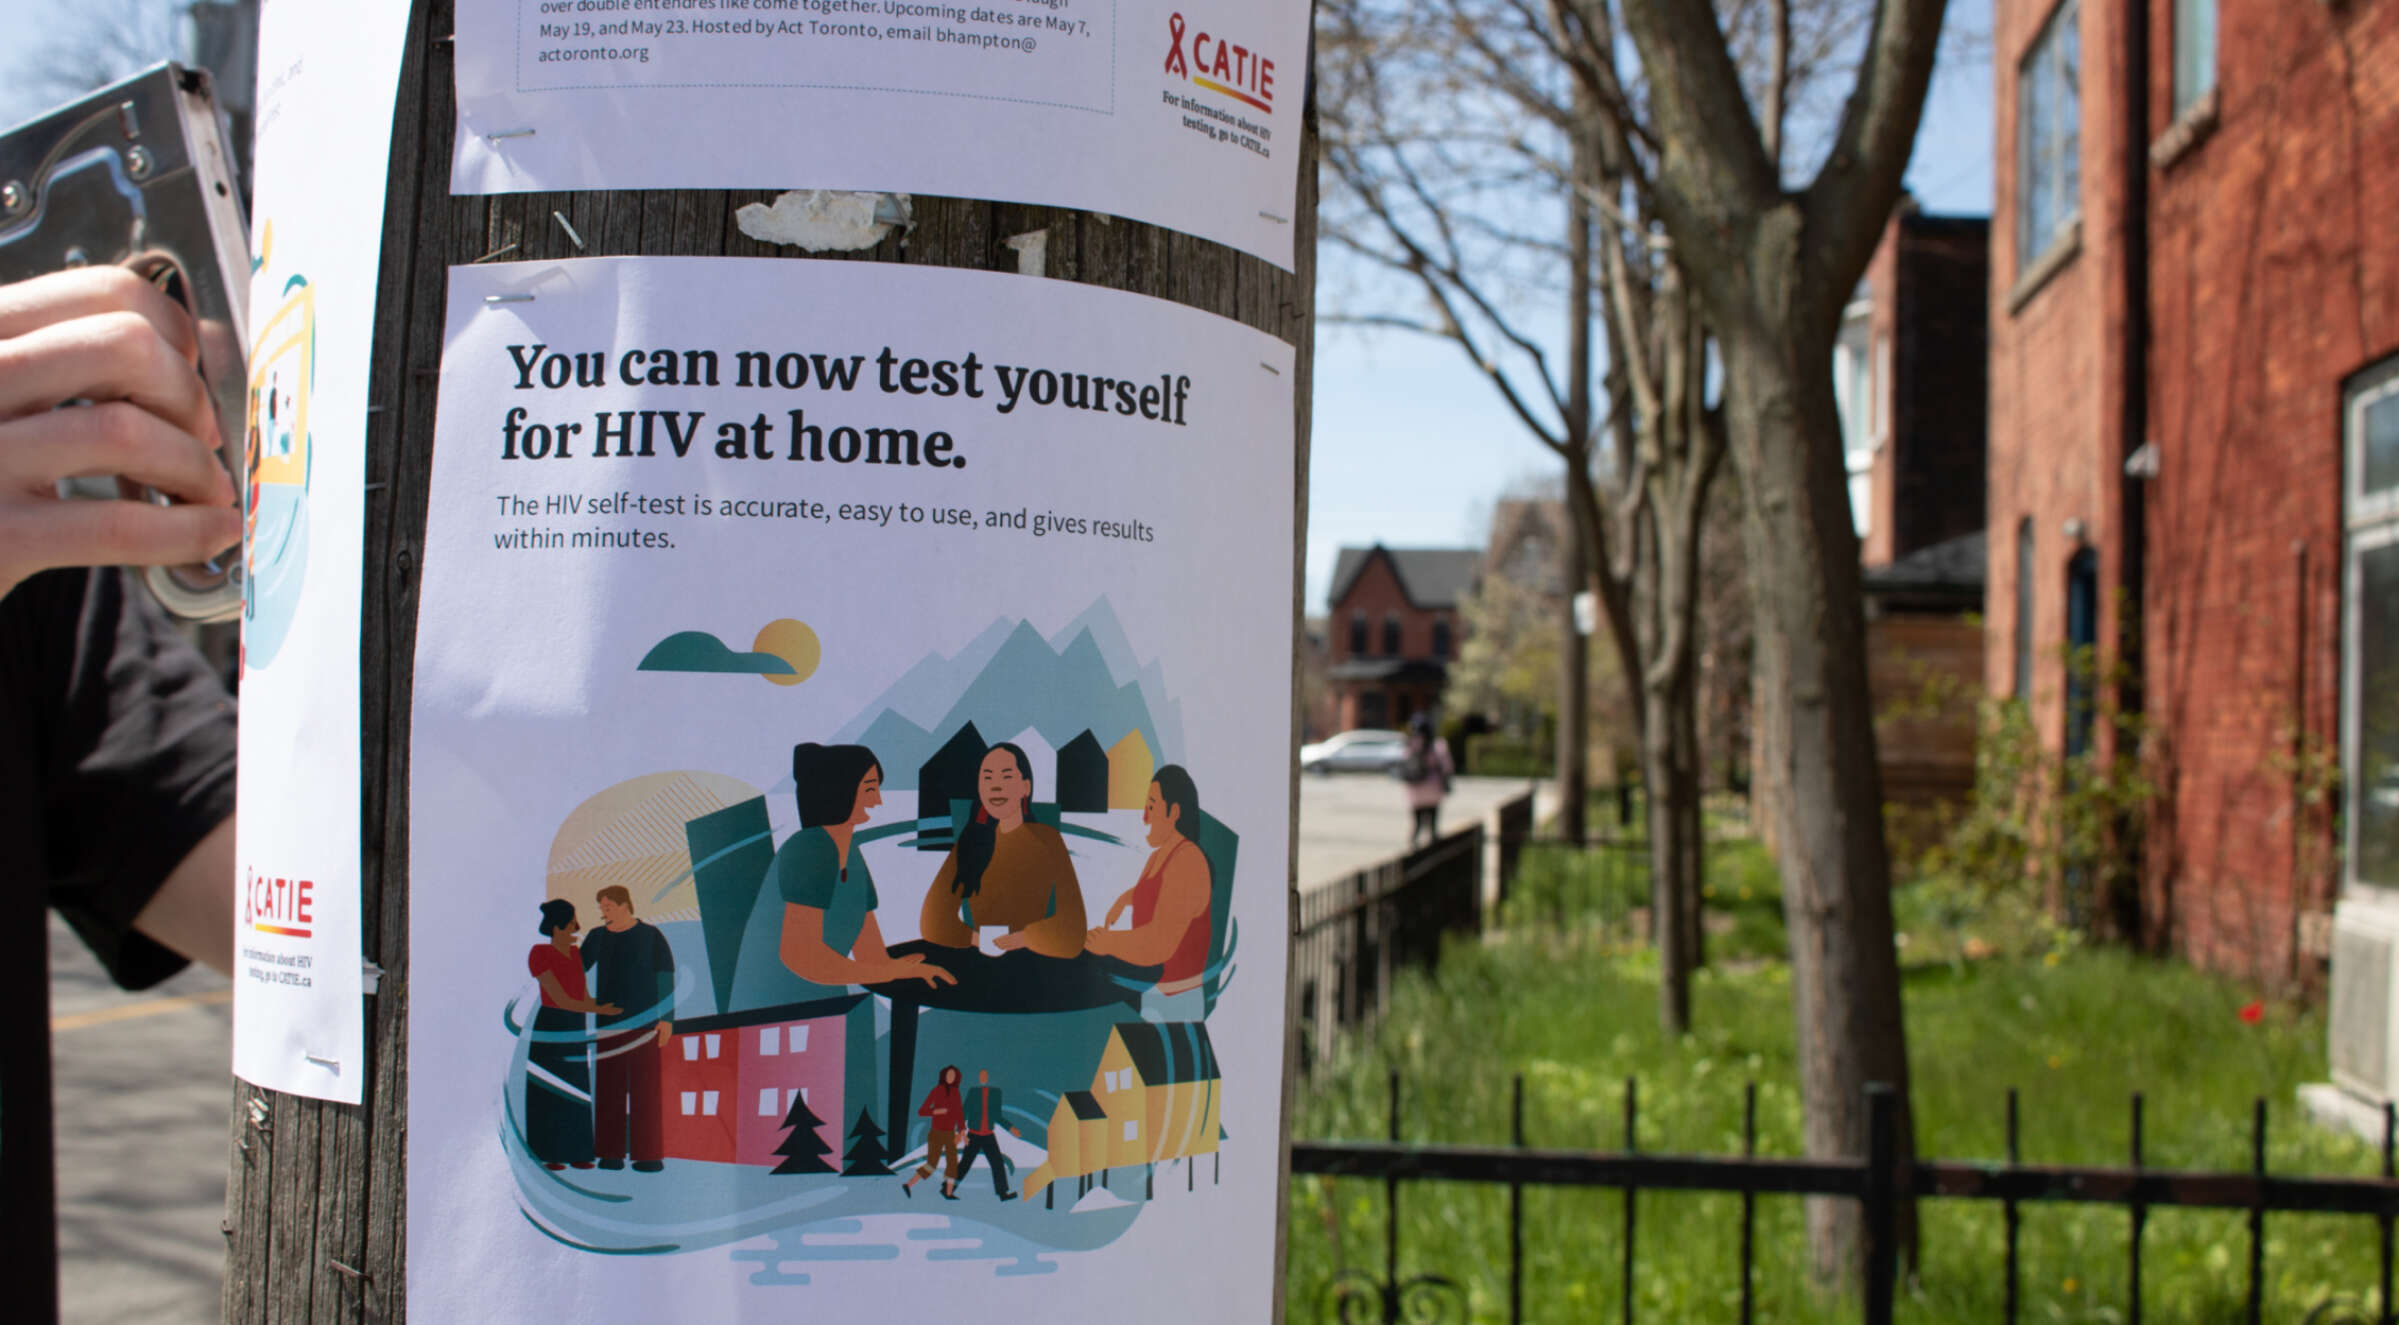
[327, 77]
[1182, 113]
[849, 798]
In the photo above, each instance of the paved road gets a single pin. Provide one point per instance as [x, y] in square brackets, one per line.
[1351, 820]
[143, 1097]
[144, 1092]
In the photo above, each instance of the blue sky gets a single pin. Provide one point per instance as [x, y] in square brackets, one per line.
[1411, 445]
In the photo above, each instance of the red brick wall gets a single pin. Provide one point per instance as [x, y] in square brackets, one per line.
[2056, 382]
[2274, 276]
[2273, 271]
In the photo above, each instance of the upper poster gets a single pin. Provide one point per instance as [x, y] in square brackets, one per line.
[327, 76]
[1182, 113]
[849, 799]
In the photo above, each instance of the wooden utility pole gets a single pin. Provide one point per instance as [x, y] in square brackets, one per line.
[315, 1206]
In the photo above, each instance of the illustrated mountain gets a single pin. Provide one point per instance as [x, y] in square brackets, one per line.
[1010, 678]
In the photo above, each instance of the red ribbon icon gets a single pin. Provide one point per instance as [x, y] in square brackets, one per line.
[1174, 52]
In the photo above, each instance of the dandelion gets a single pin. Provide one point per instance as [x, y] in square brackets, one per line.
[2052, 957]
[2057, 1061]
[2072, 1284]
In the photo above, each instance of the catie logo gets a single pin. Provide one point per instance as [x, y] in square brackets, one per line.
[278, 906]
[1219, 65]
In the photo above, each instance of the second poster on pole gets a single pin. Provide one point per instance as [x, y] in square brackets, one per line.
[849, 799]
[1182, 113]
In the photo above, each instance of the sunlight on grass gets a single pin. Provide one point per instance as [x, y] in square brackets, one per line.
[1567, 999]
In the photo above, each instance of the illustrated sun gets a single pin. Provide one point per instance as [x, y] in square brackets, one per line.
[794, 643]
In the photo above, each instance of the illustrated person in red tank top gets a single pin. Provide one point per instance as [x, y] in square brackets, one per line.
[1170, 904]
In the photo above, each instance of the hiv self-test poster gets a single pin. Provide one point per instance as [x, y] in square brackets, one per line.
[849, 799]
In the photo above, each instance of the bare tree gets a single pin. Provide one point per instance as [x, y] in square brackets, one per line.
[1659, 147]
[1773, 265]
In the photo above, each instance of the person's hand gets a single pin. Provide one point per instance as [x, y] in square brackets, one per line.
[1009, 942]
[1115, 911]
[607, 1009]
[1097, 941]
[666, 1032]
[105, 335]
[915, 967]
[1017, 1134]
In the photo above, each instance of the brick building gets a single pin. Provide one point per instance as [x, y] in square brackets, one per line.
[1909, 373]
[2194, 338]
[1394, 628]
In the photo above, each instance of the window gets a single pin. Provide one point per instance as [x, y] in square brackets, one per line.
[2370, 639]
[796, 1037]
[2194, 52]
[2049, 136]
[770, 1041]
[708, 1103]
[691, 1102]
[1441, 639]
[691, 1052]
[1357, 634]
[2024, 609]
[766, 1103]
[1853, 398]
[713, 1046]
[1391, 635]
[1132, 1130]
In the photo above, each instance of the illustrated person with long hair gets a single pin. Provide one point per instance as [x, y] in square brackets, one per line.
[1170, 904]
[829, 936]
[1007, 870]
[948, 1113]
[558, 1088]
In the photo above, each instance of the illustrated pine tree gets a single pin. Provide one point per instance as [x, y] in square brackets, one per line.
[804, 1150]
[866, 1157]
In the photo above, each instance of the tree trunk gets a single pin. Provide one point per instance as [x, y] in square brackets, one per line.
[1670, 769]
[317, 1190]
[1803, 556]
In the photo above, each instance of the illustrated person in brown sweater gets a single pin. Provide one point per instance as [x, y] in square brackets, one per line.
[1007, 871]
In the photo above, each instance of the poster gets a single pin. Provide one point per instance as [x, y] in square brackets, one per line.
[327, 78]
[1182, 113]
[811, 657]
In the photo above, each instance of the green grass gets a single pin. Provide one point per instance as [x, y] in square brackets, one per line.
[1567, 1000]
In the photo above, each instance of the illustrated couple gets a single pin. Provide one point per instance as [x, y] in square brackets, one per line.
[596, 1096]
[975, 1113]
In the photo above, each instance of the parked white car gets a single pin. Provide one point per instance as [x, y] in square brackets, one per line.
[1365, 750]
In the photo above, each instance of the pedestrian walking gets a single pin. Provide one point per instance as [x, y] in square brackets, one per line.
[1426, 770]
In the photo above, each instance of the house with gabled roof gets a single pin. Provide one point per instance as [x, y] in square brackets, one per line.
[1158, 1096]
[1394, 629]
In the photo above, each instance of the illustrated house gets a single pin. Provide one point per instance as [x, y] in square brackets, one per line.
[729, 1081]
[1078, 1140]
[1131, 765]
[1082, 775]
[1159, 1097]
[949, 775]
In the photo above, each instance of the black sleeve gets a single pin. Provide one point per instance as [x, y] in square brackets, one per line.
[116, 756]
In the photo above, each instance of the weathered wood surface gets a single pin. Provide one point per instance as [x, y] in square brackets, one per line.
[316, 1205]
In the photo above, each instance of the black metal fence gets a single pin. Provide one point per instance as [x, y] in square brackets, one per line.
[1353, 934]
[1349, 936]
[1877, 1182]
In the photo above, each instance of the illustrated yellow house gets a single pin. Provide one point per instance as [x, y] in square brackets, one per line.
[1131, 765]
[1157, 1096]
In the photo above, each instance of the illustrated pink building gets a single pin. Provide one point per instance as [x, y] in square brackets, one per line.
[730, 1081]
